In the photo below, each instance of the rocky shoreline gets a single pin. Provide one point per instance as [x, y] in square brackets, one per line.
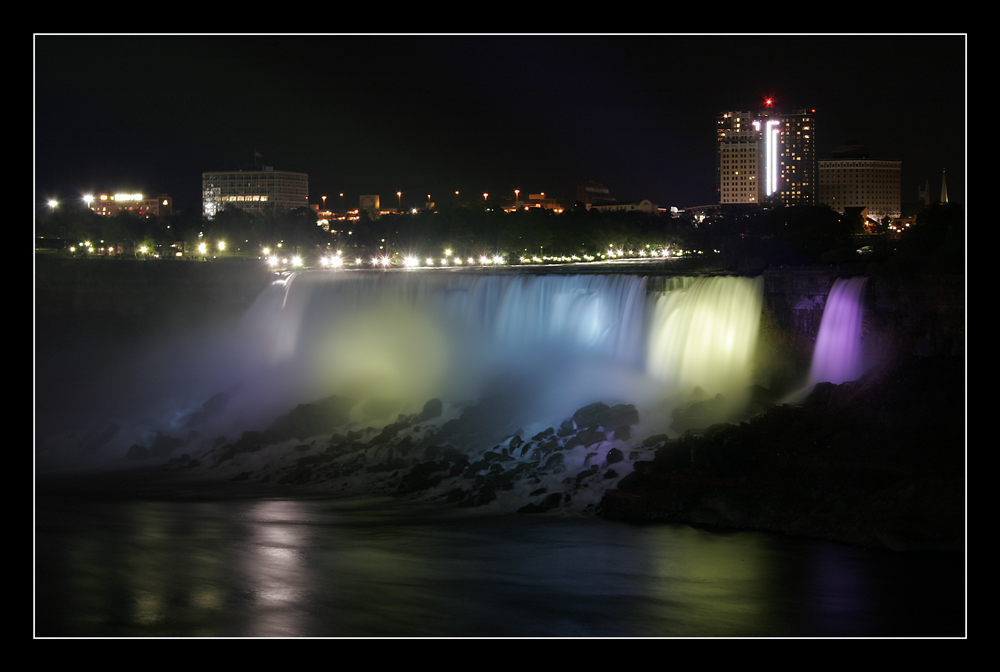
[875, 463]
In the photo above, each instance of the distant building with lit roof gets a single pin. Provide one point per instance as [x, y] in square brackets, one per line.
[110, 204]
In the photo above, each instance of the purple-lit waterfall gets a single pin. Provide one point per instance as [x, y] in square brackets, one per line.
[838, 356]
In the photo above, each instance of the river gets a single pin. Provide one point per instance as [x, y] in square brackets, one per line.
[141, 554]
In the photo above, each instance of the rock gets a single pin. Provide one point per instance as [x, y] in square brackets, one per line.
[163, 445]
[137, 452]
[320, 417]
[588, 437]
[590, 415]
[651, 441]
[544, 434]
[209, 410]
[432, 409]
[600, 414]
[549, 503]
[555, 463]
[423, 476]
[877, 463]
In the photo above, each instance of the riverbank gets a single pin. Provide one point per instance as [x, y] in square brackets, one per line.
[878, 463]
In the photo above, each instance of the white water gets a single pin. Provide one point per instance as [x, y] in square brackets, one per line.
[548, 343]
[703, 333]
[838, 356]
[539, 346]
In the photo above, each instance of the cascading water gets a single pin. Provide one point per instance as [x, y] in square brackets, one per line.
[537, 346]
[553, 342]
[703, 333]
[838, 355]
[546, 339]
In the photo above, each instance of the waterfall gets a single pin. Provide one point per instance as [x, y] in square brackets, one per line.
[703, 333]
[550, 340]
[414, 336]
[533, 347]
[838, 353]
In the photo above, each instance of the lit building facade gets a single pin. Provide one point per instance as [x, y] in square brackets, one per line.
[137, 204]
[739, 158]
[253, 191]
[862, 183]
[767, 158]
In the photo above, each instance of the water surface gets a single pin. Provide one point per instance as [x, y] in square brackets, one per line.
[114, 562]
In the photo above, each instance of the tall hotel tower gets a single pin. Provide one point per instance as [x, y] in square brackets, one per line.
[768, 157]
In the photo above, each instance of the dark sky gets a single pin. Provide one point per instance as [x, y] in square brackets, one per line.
[434, 114]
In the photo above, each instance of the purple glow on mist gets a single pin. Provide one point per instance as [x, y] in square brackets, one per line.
[838, 354]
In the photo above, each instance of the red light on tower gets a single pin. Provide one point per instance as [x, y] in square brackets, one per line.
[769, 102]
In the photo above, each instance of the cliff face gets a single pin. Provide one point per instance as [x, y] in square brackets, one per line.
[914, 315]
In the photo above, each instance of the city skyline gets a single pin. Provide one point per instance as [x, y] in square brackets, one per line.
[431, 115]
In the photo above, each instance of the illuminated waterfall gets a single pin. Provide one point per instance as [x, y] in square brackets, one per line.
[838, 354]
[553, 341]
[703, 333]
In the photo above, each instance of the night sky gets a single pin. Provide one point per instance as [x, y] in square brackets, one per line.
[435, 114]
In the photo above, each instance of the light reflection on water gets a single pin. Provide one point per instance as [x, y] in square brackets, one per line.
[116, 566]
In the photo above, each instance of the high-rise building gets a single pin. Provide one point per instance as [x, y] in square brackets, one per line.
[739, 167]
[253, 190]
[767, 157]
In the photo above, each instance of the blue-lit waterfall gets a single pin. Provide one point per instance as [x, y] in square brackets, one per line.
[552, 342]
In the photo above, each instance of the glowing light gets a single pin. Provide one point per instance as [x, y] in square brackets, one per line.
[296, 261]
[203, 248]
[772, 136]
